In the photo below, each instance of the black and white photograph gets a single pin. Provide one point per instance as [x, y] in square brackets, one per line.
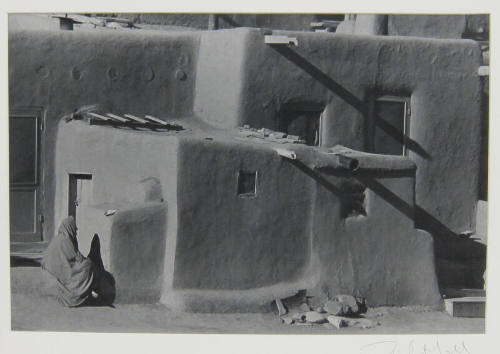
[248, 173]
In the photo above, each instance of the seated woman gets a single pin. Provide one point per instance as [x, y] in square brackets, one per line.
[76, 275]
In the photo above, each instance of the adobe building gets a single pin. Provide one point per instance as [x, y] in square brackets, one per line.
[366, 171]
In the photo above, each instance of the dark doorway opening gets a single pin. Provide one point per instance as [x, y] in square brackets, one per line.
[80, 192]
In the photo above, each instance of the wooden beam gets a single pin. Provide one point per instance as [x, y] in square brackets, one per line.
[275, 39]
[95, 115]
[483, 71]
[137, 119]
[114, 116]
[156, 120]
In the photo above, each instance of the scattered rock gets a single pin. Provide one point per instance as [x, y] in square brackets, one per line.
[295, 300]
[320, 310]
[345, 305]
[336, 321]
[299, 317]
[364, 323]
[304, 307]
[281, 309]
[348, 300]
[335, 308]
[314, 317]
[287, 320]
[278, 135]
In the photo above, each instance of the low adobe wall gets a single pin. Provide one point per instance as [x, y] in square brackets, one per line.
[229, 241]
[379, 255]
[132, 246]
[238, 254]
[339, 71]
[137, 72]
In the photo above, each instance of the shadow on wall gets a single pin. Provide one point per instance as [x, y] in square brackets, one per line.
[460, 261]
[454, 253]
[104, 281]
[349, 97]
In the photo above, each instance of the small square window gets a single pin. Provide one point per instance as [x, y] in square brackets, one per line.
[247, 184]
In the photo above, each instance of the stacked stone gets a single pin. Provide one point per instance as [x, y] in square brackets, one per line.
[340, 311]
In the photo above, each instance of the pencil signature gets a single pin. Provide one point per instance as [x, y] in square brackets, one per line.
[394, 347]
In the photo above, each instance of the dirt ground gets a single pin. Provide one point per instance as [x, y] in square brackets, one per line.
[30, 312]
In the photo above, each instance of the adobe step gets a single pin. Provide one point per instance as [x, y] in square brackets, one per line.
[471, 306]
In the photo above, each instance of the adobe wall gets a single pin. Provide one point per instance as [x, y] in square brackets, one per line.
[297, 22]
[439, 75]
[432, 26]
[119, 160]
[123, 71]
[219, 85]
[379, 255]
[132, 247]
[241, 253]
[226, 241]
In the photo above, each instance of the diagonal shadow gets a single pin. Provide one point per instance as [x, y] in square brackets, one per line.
[449, 247]
[319, 178]
[389, 196]
[228, 20]
[348, 97]
[464, 254]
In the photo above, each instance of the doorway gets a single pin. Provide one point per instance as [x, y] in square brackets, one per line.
[79, 193]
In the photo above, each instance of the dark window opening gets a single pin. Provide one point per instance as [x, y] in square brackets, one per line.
[26, 199]
[353, 201]
[247, 184]
[302, 120]
[388, 125]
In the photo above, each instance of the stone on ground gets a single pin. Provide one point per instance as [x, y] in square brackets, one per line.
[304, 307]
[314, 317]
[348, 300]
[337, 321]
[287, 320]
[281, 309]
[320, 309]
[335, 308]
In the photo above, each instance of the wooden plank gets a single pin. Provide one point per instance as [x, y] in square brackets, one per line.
[483, 71]
[137, 119]
[275, 39]
[95, 115]
[156, 120]
[114, 116]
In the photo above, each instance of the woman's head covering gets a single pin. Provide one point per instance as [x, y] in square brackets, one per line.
[68, 227]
